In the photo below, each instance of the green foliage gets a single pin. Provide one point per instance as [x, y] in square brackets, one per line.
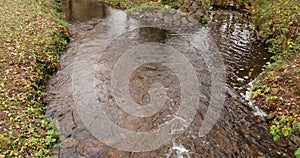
[62, 22]
[140, 7]
[277, 23]
[206, 19]
[282, 127]
[131, 4]
[297, 153]
[167, 2]
[164, 2]
[206, 2]
[287, 130]
[275, 130]
[298, 126]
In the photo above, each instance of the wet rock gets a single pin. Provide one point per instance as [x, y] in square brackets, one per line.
[196, 4]
[182, 10]
[149, 14]
[184, 21]
[157, 20]
[160, 14]
[197, 15]
[187, 3]
[149, 20]
[194, 7]
[177, 22]
[173, 11]
[177, 16]
[200, 13]
[191, 10]
[168, 19]
[165, 11]
[193, 20]
[69, 142]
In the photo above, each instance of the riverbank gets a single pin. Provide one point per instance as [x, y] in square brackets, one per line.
[31, 37]
[277, 88]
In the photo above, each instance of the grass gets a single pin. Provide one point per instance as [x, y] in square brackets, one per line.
[30, 39]
[277, 88]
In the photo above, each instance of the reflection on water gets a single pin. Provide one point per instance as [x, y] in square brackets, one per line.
[84, 10]
[245, 56]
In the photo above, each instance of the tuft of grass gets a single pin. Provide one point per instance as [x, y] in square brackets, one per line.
[30, 39]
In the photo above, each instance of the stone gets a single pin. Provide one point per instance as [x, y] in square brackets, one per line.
[184, 21]
[69, 142]
[168, 19]
[149, 20]
[197, 15]
[182, 10]
[149, 14]
[192, 20]
[194, 7]
[200, 13]
[177, 16]
[177, 22]
[160, 14]
[188, 3]
[191, 10]
[173, 11]
[165, 11]
[157, 20]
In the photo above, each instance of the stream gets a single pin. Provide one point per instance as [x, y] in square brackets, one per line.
[132, 85]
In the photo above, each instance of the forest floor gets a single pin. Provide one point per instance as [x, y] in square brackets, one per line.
[30, 40]
[277, 88]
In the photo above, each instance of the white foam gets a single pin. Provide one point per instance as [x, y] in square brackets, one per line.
[180, 150]
[258, 111]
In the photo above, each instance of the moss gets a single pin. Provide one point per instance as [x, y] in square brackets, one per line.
[30, 41]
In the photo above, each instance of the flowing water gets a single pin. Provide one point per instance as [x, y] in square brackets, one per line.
[107, 44]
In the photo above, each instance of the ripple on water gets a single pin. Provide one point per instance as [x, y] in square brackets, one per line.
[238, 133]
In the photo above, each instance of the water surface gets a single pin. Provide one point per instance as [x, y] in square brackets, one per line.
[101, 35]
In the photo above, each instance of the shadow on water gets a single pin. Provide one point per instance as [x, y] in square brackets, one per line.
[238, 132]
[81, 10]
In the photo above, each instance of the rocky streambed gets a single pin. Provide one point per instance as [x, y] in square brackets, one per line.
[100, 43]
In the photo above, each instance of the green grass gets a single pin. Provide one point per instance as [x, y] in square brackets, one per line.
[30, 39]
